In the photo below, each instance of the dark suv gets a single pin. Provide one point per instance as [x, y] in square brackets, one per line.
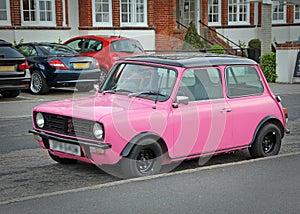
[14, 72]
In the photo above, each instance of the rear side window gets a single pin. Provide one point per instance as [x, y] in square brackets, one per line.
[242, 81]
[126, 46]
[92, 46]
[9, 52]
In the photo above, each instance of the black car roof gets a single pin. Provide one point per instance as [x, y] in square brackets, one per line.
[189, 60]
[41, 43]
[5, 43]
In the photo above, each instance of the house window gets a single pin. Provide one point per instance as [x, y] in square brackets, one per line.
[297, 13]
[102, 12]
[133, 12]
[214, 11]
[278, 11]
[38, 12]
[238, 11]
[4, 12]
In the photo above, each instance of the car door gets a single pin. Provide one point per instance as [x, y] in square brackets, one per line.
[201, 126]
[248, 101]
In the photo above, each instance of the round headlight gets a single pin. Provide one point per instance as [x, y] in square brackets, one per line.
[98, 131]
[39, 120]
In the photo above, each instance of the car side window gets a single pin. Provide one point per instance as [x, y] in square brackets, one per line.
[242, 81]
[76, 44]
[201, 84]
[92, 46]
[27, 50]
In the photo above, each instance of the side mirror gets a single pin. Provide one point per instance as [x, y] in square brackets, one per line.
[182, 100]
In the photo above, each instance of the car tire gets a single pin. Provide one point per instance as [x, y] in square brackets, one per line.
[38, 84]
[144, 159]
[267, 142]
[62, 160]
[10, 94]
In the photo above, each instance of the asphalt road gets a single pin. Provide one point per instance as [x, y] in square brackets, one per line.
[269, 185]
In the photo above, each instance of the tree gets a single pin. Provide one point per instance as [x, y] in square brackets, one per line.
[192, 40]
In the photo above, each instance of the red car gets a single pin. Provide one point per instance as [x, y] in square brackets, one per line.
[106, 49]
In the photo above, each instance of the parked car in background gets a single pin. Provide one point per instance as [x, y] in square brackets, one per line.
[14, 72]
[57, 65]
[158, 109]
[106, 49]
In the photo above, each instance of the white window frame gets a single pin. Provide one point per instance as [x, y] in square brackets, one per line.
[219, 5]
[102, 24]
[7, 9]
[278, 3]
[64, 23]
[297, 10]
[238, 4]
[37, 21]
[133, 22]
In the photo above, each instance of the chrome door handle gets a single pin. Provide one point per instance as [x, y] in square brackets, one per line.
[226, 110]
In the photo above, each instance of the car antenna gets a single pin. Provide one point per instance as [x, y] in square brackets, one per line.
[159, 87]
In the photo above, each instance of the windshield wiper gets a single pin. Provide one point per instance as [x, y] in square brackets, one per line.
[120, 90]
[150, 92]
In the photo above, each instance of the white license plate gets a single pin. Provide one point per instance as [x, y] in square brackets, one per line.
[65, 147]
[7, 68]
[81, 65]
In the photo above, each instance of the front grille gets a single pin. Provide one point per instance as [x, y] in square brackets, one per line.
[69, 126]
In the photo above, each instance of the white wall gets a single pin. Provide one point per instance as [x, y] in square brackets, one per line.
[285, 60]
[279, 34]
[34, 35]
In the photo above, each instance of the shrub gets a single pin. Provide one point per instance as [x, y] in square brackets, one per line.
[192, 40]
[218, 49]
[268, 66]
[18, 43]
[254, 44]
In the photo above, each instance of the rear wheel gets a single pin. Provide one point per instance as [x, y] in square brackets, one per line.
[38, 83]
[267, 142]
[62, 160]
[144, 159]
[10, 94]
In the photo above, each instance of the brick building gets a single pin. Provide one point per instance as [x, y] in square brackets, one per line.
[158, 24]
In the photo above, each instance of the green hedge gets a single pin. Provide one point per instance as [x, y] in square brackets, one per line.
[218, 49]
[268, 66]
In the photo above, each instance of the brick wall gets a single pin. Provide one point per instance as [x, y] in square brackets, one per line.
[85, 13]
[290, 13]
[59, 12]
[288, 45]
[116, 12]
[167, 36]
[15, 12]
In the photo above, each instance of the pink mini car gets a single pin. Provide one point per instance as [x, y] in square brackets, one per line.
[158, 109]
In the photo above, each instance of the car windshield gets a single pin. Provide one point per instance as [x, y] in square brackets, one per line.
[127, 46]
[57, 49]
[144, 81]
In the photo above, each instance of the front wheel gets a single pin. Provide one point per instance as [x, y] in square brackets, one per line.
[10, 94]
[145, 159]
[267, 141]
